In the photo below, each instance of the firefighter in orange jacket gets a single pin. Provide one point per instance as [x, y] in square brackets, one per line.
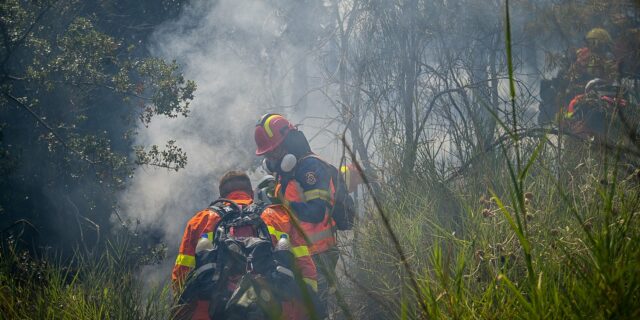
[595, 60]
[236, 186]
[304, 186]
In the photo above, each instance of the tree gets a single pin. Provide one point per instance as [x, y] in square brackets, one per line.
[74, 79]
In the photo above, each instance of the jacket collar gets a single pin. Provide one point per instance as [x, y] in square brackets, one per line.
[240, 197]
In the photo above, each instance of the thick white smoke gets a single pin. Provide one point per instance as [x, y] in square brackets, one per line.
[243, 64]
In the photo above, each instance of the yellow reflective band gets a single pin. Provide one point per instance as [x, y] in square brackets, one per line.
[186, 260]
[275, 232]
[210, 236]
[317, 194]
[300, 251]
[312, 283]
[569, 115]
[267, 128]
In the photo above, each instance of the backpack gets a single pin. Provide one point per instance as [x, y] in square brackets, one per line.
[241, 277]
[343, 211]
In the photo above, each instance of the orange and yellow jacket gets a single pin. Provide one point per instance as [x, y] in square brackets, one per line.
[278, 222]
[308, 192]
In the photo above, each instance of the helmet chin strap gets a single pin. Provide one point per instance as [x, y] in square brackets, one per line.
[288, 162]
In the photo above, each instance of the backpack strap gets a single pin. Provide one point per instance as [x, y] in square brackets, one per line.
[225, 209]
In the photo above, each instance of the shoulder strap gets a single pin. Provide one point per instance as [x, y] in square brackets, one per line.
[312, 155]
[315, 156]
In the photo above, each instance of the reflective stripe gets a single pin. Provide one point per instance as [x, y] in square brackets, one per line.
[267, 127]
[205, 267]
[315, 237]
[210, 236]
[312, 283]
[275, 232]
[300, 251]
[317, 194]
[286, 271]
[569, 115]
[186, 260]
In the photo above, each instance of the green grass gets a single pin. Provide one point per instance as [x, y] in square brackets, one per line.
[521, 236]
[577, 257]
[89, 287]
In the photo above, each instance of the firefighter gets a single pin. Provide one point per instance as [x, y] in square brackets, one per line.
[589, 114]
[304, 185]
[595, 60]
[236, 186]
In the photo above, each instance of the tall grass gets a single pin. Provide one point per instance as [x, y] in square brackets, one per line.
[540, 240]
[101, 286]
[577, 258]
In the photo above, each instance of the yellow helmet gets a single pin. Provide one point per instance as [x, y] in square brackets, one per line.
[599, 34]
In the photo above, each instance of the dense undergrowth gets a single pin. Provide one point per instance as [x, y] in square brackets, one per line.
[580, 230]
[570, 252]
[90, 286]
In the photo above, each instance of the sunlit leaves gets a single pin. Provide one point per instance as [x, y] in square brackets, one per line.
[85, 54]
[171, 93]
[171, 157]
[53, 50]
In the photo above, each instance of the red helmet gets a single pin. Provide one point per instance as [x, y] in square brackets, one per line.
[270, 132]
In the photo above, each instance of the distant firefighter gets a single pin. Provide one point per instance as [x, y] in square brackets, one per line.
[592, 113]
[595, 60]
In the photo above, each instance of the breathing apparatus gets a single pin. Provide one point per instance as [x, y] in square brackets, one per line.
[296, 146]
[287, 163]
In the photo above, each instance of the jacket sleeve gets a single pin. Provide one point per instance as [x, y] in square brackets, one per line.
[279, 222]
[315, 179]
[186, 259]
[303, 257]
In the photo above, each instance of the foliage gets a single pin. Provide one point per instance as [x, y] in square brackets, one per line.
[545, 227]
[74, 77]
[87, 287]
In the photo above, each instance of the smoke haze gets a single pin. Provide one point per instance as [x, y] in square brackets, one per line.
[244, 66]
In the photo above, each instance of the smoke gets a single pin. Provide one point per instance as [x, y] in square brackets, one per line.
[245, 63]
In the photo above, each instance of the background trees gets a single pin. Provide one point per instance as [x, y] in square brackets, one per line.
[75, 76]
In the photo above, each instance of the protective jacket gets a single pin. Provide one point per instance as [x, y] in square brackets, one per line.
[589, 65]
[308, 192]
[609, 102]
[278, 222]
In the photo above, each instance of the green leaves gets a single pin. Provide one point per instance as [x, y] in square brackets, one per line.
[170, 93]
[75, 79]
[53, 51]
[172, 157]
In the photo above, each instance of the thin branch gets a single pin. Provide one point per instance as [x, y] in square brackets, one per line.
[49, 128]
[78, 216]
[385, 220]
[529, 133]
